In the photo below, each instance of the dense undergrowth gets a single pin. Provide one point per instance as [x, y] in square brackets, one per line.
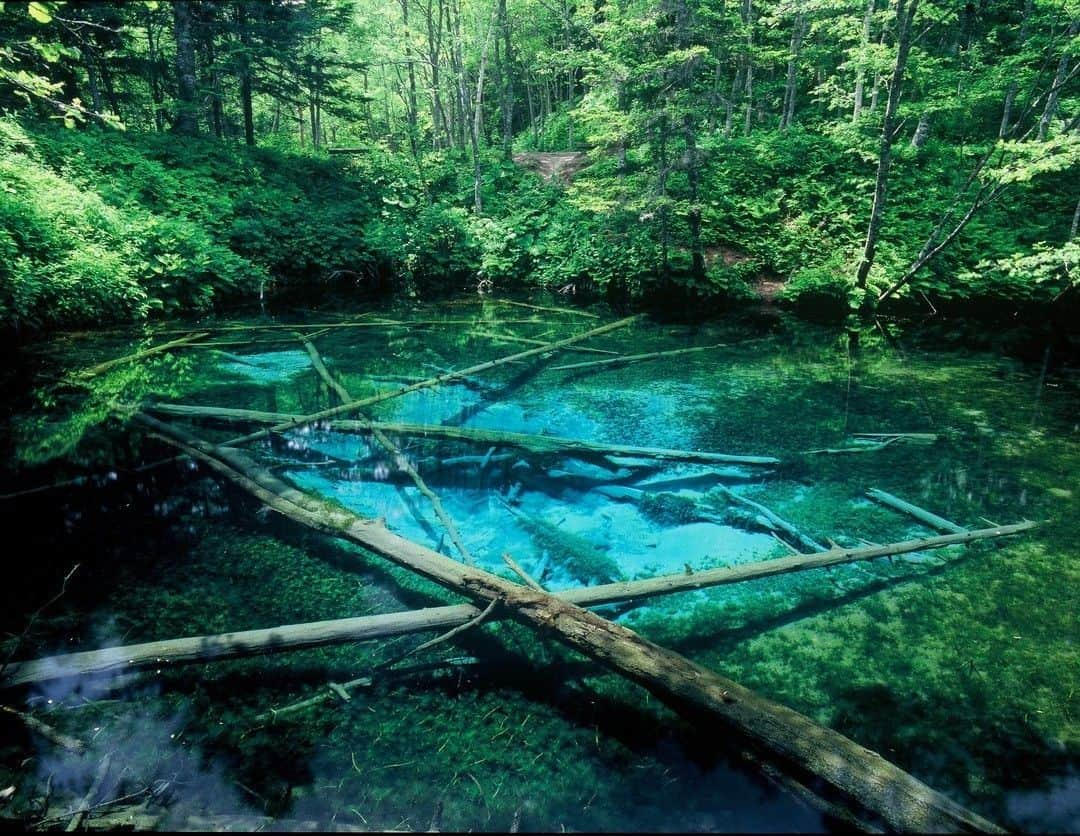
[98, 225]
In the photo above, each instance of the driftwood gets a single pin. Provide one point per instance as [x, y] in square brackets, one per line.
[633, 358]
[64, 741]
[342, 691]
[366, 628]
[909, 436]
[533, 443]
[921, 514]
[793, 741]
[510, 338]
[100, 368]
[573, 311]
[772, 518]
[367, 323]
[91, 794]
[356, 406]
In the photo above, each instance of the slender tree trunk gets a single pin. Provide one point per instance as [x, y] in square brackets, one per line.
[410, 102]
[904, 16]
[860, 73]
[729, 105]
[91, 76]
[154, 77]
[478, 113]
[1010, 94]
[244, 65]
[1075, 222]
[922, 130]
[693, 175]
[748, 21]
[186, 104]
[1050, 110]
[797, 35]
[507, 101]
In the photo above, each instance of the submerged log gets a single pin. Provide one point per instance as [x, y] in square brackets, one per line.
[633, 358]
[400, 459]
[573, 311]
[863, 778]
[100, 368]
[921, 514]
[512, 338]
[772, 518]
[366, 628]
[533, 443]
[356, 406]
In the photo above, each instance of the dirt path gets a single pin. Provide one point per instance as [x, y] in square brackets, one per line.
[561, 164]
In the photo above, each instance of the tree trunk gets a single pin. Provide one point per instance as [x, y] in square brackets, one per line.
[748, 21]
[507, 101]
[860, 73]
[797, 35]
[904, 18]
[922, 130]
[245, 74]
[1050, 110]
[186, 105]
[1010, 94]
[542, 444]
[370, 627]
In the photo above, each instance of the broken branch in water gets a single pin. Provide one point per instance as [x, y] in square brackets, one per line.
[64, 741]
[94, 371]
[532, 443]
[356, 406]
[634, 358]
[772, 518]
[921, 514]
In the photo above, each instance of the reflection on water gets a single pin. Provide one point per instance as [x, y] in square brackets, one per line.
[960, 666]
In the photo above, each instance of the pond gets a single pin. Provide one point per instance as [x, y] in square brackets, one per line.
[959, 665]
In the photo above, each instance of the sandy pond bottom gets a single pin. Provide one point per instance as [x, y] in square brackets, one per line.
[960, 666]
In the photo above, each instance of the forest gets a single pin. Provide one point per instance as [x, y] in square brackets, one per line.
[173, 157]
[540, 415]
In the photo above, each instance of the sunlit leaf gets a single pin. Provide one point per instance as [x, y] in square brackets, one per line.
[39, 12]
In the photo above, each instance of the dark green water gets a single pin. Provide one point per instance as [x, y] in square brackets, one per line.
[960, 666]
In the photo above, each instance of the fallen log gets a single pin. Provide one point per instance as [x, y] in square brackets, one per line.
[355, 406]
[369, 627]
[511, 338]
[921, 514]
[533, 443]
[573, 311]
[634, 358]
[367, 323]
[100, 368]
[772, 517]
[863, 778]
[911, 436]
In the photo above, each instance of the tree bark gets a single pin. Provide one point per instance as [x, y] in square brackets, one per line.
[544, 444]
[245, 73]
[790, 89]
[1051, 107]
[921, 514]
[860, 73]
[186, 105]
[904, 18]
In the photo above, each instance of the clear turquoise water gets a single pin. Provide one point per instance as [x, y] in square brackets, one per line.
[959, 666]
